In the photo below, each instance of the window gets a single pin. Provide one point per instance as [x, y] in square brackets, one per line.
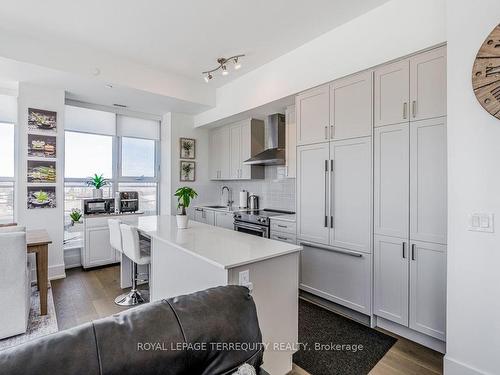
[6, 173]
[87, 154]
[138, 157]
[125, 152]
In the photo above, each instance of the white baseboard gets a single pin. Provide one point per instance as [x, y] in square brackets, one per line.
[454, 367]
[412, 335]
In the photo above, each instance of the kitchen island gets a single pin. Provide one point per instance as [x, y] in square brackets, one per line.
[203, 256]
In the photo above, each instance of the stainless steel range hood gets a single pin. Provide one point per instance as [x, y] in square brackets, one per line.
[274, 154]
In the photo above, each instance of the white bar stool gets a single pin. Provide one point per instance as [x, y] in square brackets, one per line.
[139, 255]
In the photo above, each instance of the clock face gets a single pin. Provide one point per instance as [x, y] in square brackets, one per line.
[486, 73]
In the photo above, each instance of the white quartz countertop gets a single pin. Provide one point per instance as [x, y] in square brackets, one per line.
[287, 217]
[222, 247]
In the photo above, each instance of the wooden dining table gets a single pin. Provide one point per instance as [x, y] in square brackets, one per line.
[37, 242]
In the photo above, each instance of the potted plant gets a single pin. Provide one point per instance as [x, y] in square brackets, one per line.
[97, 182]
[184, 196]
[75, 216]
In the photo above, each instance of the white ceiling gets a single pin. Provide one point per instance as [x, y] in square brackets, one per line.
[182, 36]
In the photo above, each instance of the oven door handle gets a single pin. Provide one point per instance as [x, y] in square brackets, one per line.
[250, 226]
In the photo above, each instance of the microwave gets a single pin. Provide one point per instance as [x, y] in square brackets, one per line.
[98, 206]
[128, 201]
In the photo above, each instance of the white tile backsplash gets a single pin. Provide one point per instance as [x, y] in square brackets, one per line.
[275, 191]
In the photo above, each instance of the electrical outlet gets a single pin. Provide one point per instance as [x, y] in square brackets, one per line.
[244, 278]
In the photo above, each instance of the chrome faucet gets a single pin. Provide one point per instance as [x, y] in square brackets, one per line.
[229, 196]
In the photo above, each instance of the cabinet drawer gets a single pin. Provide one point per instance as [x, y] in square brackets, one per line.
[284, 237]
[283, 226]
[341, 276]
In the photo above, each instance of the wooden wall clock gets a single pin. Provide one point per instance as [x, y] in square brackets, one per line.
[486, 73]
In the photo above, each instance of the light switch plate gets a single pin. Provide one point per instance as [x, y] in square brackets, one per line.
[481, 222]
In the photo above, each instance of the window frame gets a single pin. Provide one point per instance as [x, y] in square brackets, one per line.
[13, 179]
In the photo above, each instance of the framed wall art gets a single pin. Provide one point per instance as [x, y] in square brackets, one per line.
[188, 148]
[41, 171]
[40, 120]
[41, 197]
[187, 171]
[42, 146]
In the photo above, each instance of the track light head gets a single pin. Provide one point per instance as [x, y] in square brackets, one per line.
[224, 70]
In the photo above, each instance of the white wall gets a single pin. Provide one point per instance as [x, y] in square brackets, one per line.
[473, 325]
[395, 29]
[31, 96]
[175, 126]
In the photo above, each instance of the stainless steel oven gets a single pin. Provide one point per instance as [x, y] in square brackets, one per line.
[255, 229]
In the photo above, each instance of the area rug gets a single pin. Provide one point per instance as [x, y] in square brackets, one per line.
[332, 344]
[38, 325]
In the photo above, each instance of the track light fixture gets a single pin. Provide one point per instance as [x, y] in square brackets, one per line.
[223, 62]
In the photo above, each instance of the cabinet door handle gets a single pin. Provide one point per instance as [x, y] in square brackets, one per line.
[331, 131]
[413, 257]
[327, 248]
[414, 108]
[405, 110]
[404, 250]
[326, 193]
[282, 226]
[331, 194]
[326, 132]
[282, 238]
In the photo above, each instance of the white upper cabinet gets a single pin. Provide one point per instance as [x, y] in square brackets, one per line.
[313, 192]
[391, 180]
[428, 209]
[291, 142]
[391, 271]
[392, 89]
[428, 289]
[235, 155]
[350, 196]
[313, 115]
[219, 154]
[428, 84]
[231, 145]
[351, 106]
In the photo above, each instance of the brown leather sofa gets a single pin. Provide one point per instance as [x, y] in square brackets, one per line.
[210, 332]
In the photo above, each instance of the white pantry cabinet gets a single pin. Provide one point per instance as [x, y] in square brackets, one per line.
[290, 142]
[351, 194]
[411, 89]
[231, 145]
[428, 208]
[390, 263]
[391, 180]
[351, 106]
[313, 188]
[313, 115]
[428, 289]
[428, 84]
[392, 91]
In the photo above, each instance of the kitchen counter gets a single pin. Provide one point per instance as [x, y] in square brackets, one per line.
[292, 218]
[203, 256]
[221, 209]
[92, 216]
[218, 246]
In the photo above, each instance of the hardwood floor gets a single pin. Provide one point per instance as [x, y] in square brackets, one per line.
[86, 295]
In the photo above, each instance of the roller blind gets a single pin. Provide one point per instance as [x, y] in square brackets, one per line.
[90, 121]
[8, 109]
[137, 127]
